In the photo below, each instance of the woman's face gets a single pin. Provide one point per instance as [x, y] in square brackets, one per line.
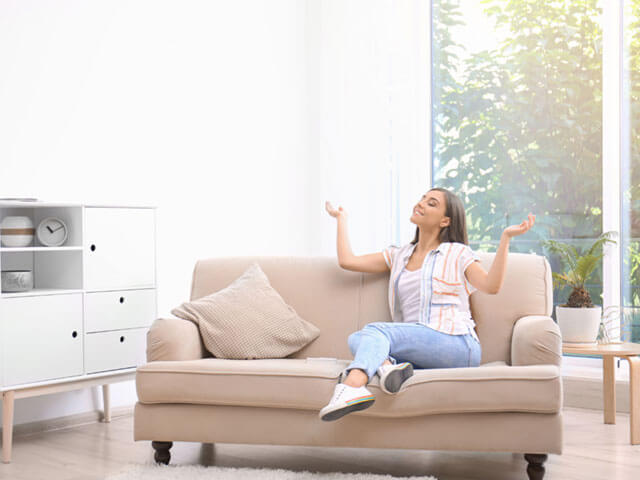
[430, 210]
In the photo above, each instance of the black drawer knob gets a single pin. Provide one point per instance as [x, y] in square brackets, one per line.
[74, 334]
[121, 299]
[121, 339]
[93, 248]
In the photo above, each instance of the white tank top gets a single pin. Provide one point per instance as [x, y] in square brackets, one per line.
[409, 294]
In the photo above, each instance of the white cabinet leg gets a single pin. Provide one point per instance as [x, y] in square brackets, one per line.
[106, 403]
[7, 425]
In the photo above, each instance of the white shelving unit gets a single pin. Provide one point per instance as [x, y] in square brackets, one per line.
[85, 321]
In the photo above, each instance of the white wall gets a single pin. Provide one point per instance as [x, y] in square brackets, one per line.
[197, 107]
[238, 119]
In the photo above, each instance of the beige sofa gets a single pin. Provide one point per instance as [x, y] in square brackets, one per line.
[511, 403]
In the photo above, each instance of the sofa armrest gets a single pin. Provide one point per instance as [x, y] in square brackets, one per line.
[536, 340]
[174, 339]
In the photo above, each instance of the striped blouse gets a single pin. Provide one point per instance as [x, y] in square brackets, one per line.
[444, 288]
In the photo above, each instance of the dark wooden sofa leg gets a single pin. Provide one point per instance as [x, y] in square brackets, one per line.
[535, 469]
[162, 454]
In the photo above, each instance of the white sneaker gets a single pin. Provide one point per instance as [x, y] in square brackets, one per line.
[393, 376]
[346, 399]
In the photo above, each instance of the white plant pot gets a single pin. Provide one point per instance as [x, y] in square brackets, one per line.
[579, 325]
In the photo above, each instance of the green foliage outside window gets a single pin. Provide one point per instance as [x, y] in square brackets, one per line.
[517, 128]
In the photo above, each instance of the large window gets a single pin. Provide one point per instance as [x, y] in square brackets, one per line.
[517, 119]
[630, 172]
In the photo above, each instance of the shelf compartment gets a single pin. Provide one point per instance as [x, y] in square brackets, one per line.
[59, 270]
[72, 217]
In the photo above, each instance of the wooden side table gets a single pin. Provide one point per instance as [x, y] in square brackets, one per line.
[608, 352]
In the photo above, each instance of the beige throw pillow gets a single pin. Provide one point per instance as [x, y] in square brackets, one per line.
[248, 319]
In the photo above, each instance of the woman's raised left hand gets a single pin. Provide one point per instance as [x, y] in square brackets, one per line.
[524, 227]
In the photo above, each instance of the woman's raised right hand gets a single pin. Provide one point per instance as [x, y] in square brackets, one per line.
[340, 213]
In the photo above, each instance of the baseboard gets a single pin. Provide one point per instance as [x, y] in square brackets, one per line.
[68, 421]
[581, 392]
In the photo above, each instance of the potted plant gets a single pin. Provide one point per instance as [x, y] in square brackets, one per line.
[578, 319]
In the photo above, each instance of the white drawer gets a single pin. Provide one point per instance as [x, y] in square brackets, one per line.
[41, 337]
[114, 350]
[119, 309]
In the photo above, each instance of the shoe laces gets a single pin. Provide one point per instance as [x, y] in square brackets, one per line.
[341, 388]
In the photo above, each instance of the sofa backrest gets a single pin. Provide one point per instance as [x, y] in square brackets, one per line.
[340, 302]
[316, 287]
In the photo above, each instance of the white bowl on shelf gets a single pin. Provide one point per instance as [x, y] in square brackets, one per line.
[17, 280]
[16, 231]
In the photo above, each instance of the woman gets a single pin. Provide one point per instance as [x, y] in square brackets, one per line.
[430, 283]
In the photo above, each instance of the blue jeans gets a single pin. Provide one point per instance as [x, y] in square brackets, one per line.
[418, 344]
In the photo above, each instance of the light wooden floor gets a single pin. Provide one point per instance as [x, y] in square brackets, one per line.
[89, 452]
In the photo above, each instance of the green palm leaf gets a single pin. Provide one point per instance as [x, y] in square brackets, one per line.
[585, 267]
[560, 280]
[574, 280]
[601, 240]
[580, 267]
[567, 252]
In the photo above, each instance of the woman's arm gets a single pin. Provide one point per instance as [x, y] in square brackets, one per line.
[491, 282]
[345, 255]
[371, 263]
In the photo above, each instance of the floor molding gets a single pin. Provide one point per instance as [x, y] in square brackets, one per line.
[68, 421]
[582, 392]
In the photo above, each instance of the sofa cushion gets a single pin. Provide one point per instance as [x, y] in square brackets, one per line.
[307, 384]
[248, 320]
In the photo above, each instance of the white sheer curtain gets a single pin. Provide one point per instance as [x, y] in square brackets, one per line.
[368, 90]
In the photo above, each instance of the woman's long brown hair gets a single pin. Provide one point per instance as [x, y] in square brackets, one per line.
[457, 229]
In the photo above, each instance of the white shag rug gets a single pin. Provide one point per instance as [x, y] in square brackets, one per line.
[198, 472]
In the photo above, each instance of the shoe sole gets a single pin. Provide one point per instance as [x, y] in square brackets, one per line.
[397, 377]
[342, 411]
